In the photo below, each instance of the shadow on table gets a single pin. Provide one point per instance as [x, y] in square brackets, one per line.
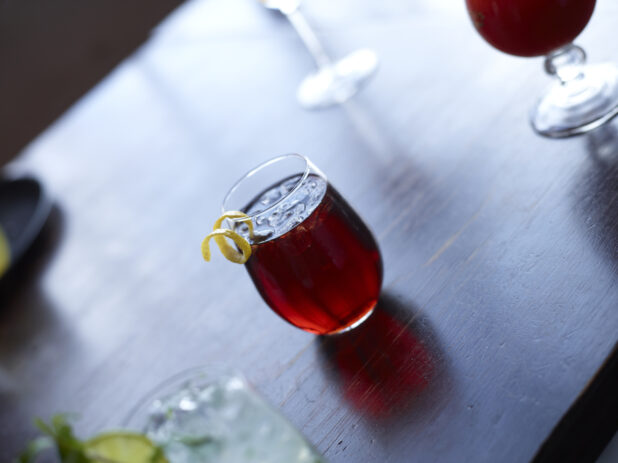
[24, 310]
[386, 365]
[590, 422]
[598, 191]
[35, 259]
[27, 321]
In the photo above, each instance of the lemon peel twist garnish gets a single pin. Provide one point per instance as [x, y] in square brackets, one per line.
[235, 215]
[219, 234]
[5, 253]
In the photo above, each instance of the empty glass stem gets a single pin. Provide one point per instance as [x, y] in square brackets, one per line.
[566, 63]
[334, 81]
[311, 41]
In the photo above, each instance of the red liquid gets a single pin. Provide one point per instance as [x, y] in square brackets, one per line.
[530, 27]
[324, 274]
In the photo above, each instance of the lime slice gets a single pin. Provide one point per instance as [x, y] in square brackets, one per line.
[5, 252]
[123, 447]
[219, 234]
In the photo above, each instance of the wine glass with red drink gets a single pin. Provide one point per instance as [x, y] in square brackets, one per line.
[313, 260]
[583, 96]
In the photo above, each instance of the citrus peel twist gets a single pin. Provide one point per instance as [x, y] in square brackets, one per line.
[220, 234]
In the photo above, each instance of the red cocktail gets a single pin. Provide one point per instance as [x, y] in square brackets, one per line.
[530, 27]
[585, 96]
[313, 259]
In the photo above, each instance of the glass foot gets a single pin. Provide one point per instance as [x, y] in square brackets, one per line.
[578, 105]
[339, 81]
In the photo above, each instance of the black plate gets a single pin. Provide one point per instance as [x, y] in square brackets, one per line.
[24, 208]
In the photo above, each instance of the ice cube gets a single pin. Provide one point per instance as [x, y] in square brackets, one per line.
[262, 234]
[287, 215]
[270, 197]
[299, 209]
[228, 424]
[273, 218]
[187, 404]
[291, 183]
[243, 229]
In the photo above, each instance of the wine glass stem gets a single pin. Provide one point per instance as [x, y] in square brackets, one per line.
[566, 63]
[311, 41]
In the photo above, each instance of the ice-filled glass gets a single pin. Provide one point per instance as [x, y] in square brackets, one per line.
[313, 260]
[211, 414]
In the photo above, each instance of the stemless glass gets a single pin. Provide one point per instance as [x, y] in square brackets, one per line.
[584, 96]
[313, 260]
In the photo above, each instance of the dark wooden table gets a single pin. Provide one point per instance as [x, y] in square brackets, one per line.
[495, 337]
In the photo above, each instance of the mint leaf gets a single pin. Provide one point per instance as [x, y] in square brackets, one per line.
[158, 456]
[34, 448]
[103, 448]
[59, 434]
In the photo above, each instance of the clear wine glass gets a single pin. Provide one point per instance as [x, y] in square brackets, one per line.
[334, 81]
[583, 96]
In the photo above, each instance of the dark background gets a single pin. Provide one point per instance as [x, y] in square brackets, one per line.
[52, 52]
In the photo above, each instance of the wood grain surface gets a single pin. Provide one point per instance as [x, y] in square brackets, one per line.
[500, 297]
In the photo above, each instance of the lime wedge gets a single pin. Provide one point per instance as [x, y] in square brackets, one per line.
[5, 253]
[123, 447]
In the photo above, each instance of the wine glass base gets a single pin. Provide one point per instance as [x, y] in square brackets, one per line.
[338, 82]
[580, 105]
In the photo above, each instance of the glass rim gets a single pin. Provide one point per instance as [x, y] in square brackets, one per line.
[307, 169]
[213, 370]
